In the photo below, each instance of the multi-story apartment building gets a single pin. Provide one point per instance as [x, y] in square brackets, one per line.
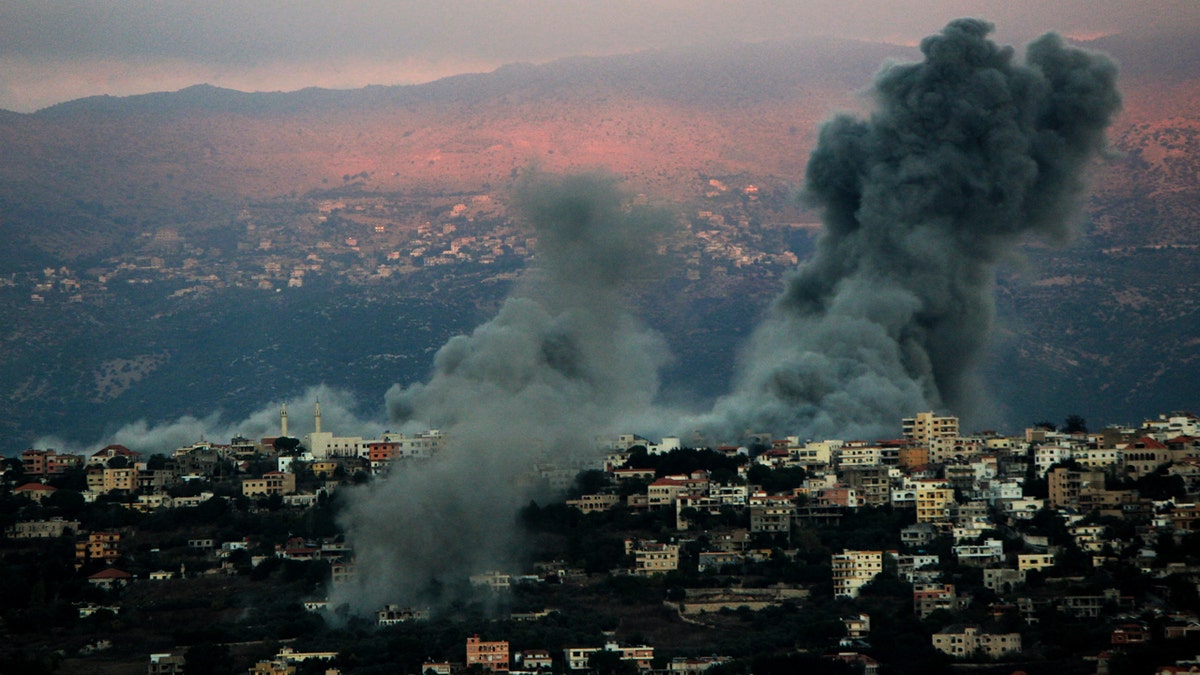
[858, 454]
[935, 502]
[854, 569]
[1066, 486]
[872, 483]
[773, 515]
[491, 656]
[814, 455]
[919, 568]
[928, 425]
[104, 546]
[912, 456]
[36, 463]
[929, 598]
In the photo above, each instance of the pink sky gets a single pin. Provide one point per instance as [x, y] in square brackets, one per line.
[52, 52]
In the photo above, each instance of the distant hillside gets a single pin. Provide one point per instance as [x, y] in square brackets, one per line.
[1107, 328]
[108, 164]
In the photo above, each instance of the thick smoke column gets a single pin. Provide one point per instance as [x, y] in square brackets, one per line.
[561, 362]
[966, 153]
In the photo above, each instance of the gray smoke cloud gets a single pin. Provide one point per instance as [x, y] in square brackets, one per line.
[338, 412]
[563, 362]
[966, 153]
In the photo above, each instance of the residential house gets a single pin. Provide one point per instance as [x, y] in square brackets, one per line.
[980, 555]
[1143, 456]
[165, 664]
[110, 578]
[966, 641]
[535, 660]
[595, 503]
[35, 491]
[42, 529]
[1034, 561]
[641, 655]
[271, 483]
[106, 454]
[652, 557]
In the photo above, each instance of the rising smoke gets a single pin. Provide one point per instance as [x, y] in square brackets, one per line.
[338, 410]
[966, 153]
[563, 362]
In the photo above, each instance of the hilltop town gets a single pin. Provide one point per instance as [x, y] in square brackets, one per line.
[1058, 548]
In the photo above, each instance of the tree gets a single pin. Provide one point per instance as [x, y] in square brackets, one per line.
[589, 482]
[207, 657]
[608, 662]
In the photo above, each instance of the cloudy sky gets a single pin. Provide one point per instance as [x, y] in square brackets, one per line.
[52, 50]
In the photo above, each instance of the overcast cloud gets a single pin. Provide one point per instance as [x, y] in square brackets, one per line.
[55, 51]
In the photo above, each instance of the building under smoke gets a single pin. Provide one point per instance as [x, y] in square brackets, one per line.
[563, 362]
[967, 152]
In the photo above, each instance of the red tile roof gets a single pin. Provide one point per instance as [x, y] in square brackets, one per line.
[36, 487]
[111, 573]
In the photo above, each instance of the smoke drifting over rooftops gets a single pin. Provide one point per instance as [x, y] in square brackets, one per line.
[966, 153]
[563, 362]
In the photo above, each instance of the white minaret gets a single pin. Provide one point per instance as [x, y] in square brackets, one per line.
[283, 421]
[317, 417]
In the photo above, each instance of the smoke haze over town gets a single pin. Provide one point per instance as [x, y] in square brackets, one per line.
[959, 160]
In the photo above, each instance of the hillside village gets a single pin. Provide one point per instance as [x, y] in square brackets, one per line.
[1058, 548]
[365, 238]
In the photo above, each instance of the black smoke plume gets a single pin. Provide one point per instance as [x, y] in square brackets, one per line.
[966, 153]
[562, 363]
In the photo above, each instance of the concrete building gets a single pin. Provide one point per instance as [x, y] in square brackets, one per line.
[492, 656]
[641, 655]
[271, 483]
[854, 569]
[935, 502]
[1067, 486]
[652, 557]
[966, 641]
[928, 425]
